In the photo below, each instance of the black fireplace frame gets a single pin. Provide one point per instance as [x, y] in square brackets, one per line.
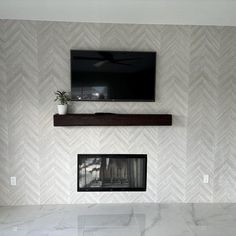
[143, 189]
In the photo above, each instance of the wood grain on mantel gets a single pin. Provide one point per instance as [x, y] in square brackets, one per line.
[113, 120]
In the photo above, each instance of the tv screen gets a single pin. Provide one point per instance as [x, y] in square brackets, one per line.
[113, 75]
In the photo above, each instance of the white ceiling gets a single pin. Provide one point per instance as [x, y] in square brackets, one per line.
[186, 12]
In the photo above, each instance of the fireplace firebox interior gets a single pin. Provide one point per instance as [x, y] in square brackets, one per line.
[112, 172]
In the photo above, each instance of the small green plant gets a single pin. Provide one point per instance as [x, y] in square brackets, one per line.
[62, 97]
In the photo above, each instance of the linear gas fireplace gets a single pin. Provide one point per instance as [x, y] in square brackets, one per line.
[112, 172]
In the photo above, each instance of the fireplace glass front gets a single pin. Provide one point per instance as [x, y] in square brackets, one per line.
[114, 172]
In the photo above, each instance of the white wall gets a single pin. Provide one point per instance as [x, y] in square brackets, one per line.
[196, 82]
[184, 12]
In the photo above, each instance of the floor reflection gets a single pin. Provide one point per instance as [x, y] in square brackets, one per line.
[119, 220]
[113, 224]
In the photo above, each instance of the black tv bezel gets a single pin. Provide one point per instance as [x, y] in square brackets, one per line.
[114, 189]
[113, 100]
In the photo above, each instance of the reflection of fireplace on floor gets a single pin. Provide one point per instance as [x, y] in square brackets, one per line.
[107, 172]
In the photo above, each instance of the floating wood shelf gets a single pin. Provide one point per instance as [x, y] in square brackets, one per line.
[113, 120]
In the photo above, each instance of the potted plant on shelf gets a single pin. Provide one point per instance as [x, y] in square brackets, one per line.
[63, 98]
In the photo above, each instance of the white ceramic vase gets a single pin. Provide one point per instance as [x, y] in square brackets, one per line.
[62, 109]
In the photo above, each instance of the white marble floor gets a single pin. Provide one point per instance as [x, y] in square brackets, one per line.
[119, 220]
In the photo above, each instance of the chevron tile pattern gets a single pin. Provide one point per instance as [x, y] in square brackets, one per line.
[196, 82]
[202, 112]
[225, 156]
[4, 183]
[173, 83]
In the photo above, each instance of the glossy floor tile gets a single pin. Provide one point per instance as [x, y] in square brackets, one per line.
[119, 220]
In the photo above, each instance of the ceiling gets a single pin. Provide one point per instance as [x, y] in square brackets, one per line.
[183, 12]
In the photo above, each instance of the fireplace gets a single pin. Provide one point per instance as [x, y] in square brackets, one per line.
[112, 172]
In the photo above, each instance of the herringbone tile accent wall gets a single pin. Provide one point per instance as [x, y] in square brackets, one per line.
[202, 111]
[196, 82]
[4, 183]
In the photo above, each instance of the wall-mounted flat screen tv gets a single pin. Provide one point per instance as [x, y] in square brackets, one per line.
[113, 75]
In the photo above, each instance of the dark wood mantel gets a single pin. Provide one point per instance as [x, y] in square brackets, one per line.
[105, 119]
